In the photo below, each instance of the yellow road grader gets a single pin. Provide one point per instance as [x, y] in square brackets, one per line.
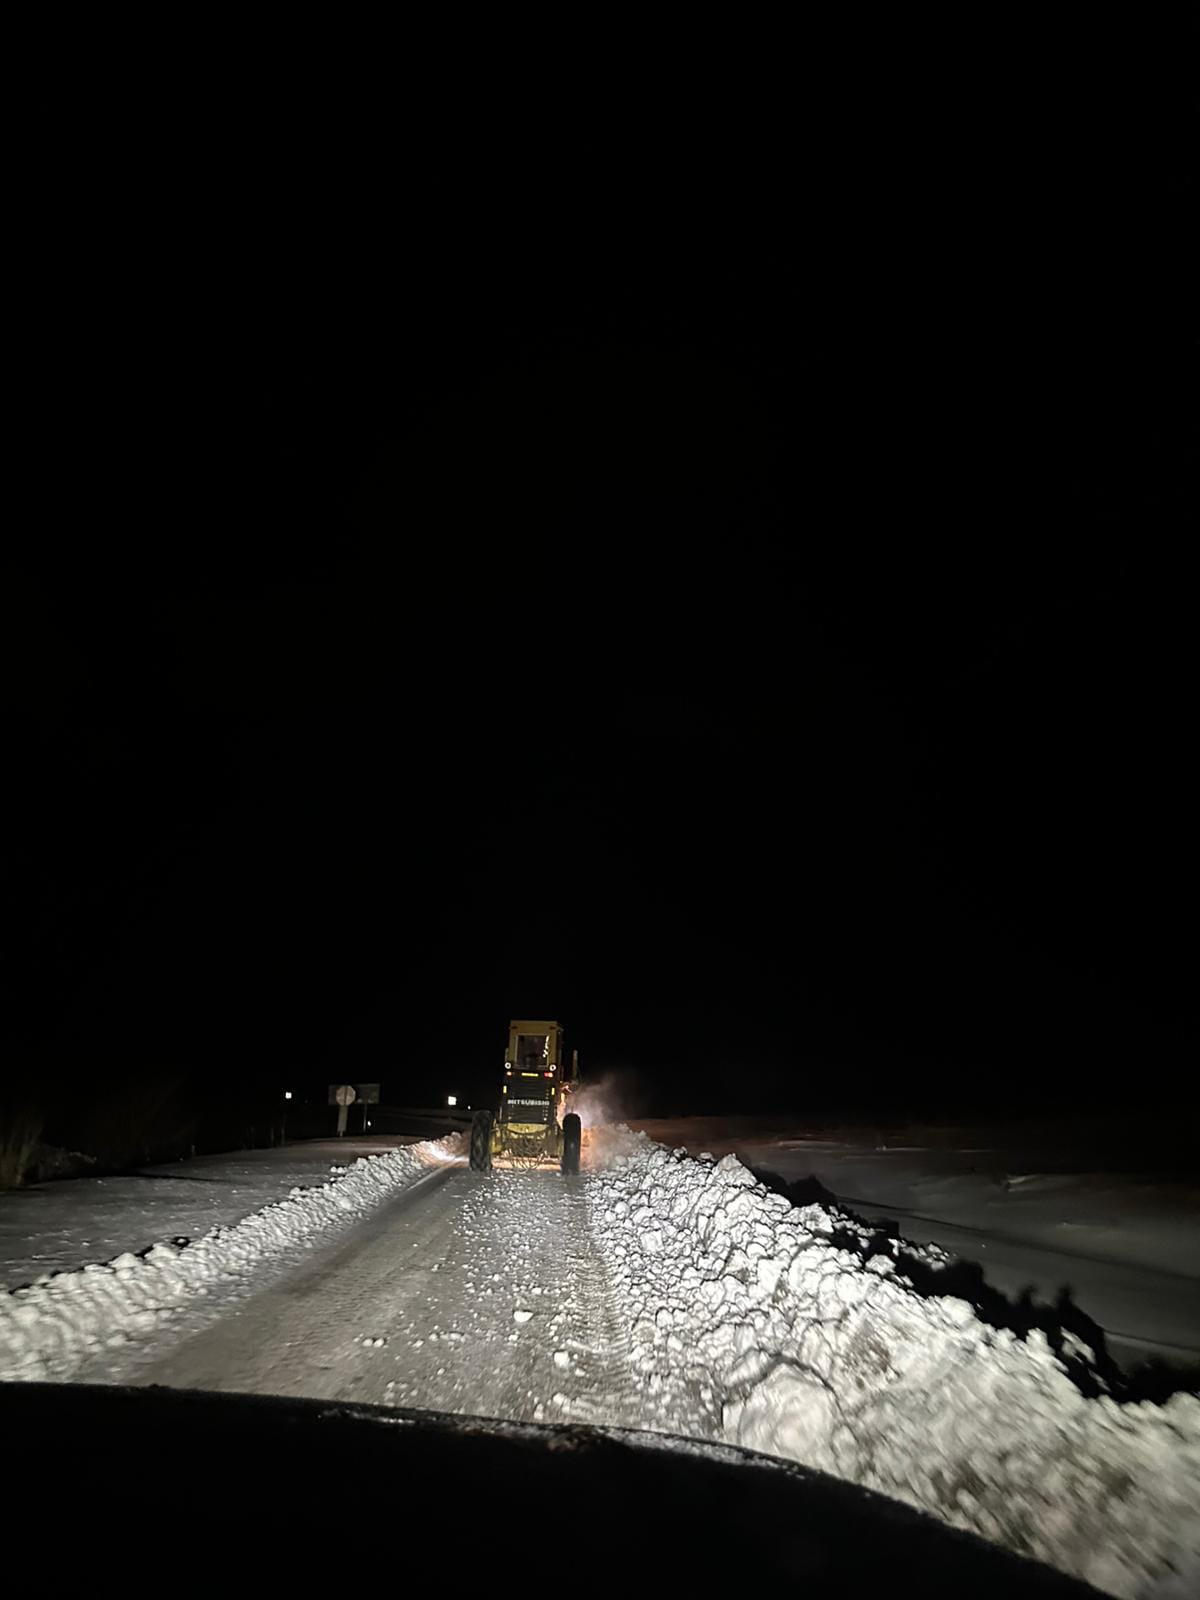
[531, 1124]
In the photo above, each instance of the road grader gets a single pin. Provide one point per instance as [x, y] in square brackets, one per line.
[531, 1125]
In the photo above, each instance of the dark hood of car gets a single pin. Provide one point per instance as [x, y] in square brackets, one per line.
[236, 1489]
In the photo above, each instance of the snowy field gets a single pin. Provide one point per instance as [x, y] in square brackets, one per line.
[657, 1290]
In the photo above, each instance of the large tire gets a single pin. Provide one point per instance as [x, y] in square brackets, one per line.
[481, 1142]
[572, 1138]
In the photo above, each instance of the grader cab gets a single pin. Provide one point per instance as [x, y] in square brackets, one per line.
[531, 1124]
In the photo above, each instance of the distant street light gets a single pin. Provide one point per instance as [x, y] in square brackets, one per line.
[451, 1099]
[287, 1094]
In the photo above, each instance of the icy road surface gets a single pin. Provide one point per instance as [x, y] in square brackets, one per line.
[486, 1296]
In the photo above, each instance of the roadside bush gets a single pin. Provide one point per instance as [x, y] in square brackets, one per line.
[20, 1131]
[135, 1120]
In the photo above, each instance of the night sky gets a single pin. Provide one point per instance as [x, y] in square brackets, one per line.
[736, 607]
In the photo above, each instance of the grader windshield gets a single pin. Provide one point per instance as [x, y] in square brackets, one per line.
[533, 1052]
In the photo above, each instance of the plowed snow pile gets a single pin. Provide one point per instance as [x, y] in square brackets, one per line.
[51, 1328]
[752, 1321]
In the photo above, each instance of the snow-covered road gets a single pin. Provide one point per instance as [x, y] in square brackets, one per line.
[657, 1291]
[486, 1296]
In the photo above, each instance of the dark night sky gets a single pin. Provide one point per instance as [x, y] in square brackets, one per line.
[736, 607]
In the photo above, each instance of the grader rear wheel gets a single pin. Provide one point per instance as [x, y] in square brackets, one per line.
[572, 1132]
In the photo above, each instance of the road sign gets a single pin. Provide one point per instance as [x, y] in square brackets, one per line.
[368, 1093]
[342, 1096]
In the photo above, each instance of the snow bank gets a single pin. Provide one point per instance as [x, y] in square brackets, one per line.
[603, 1143]
[752, 1322]
[50, 1328]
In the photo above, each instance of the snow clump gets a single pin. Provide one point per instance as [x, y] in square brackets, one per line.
[752, 1322]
